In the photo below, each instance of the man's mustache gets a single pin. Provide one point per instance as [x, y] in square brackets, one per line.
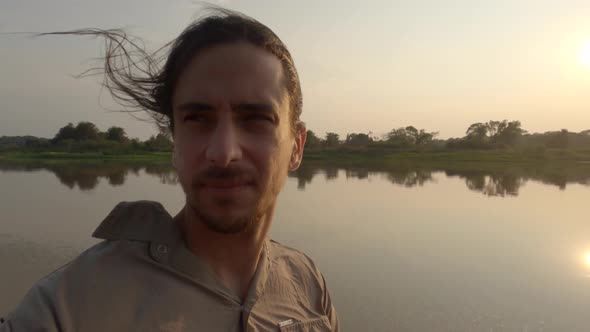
[225, 174]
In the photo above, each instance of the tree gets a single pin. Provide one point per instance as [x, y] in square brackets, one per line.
[507, 133]
[66, 132]
[116, 134]
[420, 137]
[136, 144]
[400, 137]
[558, 140]
[332, 139]
[86, 131]
[360, 139]
[410, 136]
[159, 142]
[477, 131]
[412, 133]
[424, 138]
[494, 127]
[312, 141]
[493, 134]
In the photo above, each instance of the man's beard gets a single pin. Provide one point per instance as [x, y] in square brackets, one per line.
[226, 225]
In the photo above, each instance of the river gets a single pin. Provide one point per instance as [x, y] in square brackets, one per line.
[403, 248]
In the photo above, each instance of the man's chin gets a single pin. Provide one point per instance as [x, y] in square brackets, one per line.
[228, 224]
[224, 219]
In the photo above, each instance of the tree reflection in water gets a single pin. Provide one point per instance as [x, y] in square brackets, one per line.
[490, 179]
[499, 183]
[87, 175]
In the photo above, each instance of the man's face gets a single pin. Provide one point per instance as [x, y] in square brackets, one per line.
[232, 135]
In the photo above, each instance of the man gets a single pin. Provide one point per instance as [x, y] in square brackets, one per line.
[230, 94]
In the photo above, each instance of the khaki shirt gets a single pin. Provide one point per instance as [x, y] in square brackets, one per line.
[143, 278]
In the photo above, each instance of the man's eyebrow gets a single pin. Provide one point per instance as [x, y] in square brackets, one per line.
[194, 107]
[239, 107]
[254, 107]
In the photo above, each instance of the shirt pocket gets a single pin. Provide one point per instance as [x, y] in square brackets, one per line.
[310, 325]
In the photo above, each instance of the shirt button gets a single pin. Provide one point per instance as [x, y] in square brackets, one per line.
[162, 249]
[158, 251]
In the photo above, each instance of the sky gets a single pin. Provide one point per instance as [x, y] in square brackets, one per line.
[365, 66]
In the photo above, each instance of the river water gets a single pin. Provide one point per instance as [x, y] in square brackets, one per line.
[460, 247]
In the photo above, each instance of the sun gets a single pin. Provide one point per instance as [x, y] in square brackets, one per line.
[587, 258]
[585, 54]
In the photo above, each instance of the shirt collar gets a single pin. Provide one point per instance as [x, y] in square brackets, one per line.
[148, 221]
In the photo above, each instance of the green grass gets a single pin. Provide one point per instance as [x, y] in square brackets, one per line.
[143, 156]
[359, 156]
[483, 156]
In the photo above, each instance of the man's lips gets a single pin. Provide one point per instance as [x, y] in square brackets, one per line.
[225, 188]
[225, 184]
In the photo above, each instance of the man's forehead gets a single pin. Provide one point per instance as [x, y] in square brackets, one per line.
[238, 55]
[238, 70]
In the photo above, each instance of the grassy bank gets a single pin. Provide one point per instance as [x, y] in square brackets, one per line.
[367, 156]
[90, 156]
[481, 156]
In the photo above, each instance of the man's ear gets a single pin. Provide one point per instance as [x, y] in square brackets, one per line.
[174, 154]
[299, 144]
[174, 162]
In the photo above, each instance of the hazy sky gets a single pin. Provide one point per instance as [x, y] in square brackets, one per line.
[364, 65]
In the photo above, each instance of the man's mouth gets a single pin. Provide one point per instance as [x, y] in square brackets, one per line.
[219, 181]
[225, 184]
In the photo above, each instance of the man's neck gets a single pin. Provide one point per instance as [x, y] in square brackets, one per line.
[232, 257]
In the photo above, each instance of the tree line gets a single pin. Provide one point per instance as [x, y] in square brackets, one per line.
[478, 136]
[85, 136]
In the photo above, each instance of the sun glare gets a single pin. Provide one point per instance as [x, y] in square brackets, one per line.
[585, 54]
[587, 259]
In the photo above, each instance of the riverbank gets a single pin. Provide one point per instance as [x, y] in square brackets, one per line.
[370, 156]
[81, 156]
[474, 156]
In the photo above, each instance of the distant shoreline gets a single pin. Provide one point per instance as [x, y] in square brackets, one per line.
[84, 156]
[459, 156]
[341, 156]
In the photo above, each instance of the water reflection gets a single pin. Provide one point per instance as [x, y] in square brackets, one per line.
[491, 184]
[87, 175]
[489, 179]
[441, 257]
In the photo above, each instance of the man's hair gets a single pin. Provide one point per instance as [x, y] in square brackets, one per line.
[139, 82]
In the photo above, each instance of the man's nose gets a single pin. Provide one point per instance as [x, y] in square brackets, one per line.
[224, 146]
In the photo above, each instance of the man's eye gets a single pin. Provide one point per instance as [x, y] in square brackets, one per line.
[193, 117]
[259, 117]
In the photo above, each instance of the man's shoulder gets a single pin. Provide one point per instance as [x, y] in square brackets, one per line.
[128, 232]
[90, 265]
[293, 261]
[131, 233]
[62, 289]
[281, 251]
